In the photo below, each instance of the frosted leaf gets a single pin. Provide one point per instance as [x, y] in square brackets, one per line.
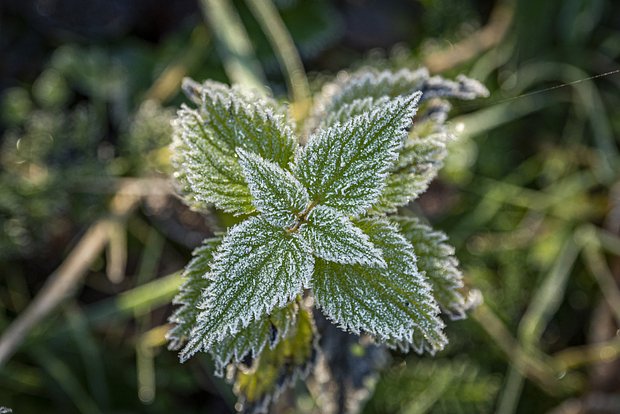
[256, 269]
[436, 259]
[418, 164]
[421, 158]
[370, 83]
[207, 175]
[251, 340]
[333, 237]
[196, 92]
[276, 193]
[276, 369]
[345, 166]
[365, 84]
[205, 141]
[391, 304]
[350, 110]
[190, 293]
[463, 88]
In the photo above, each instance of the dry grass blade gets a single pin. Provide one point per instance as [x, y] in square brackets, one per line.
[531, 366]
[284, 48]
[490, 35]
[64, 281]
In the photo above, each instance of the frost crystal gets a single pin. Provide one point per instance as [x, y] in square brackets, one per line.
[350, 110]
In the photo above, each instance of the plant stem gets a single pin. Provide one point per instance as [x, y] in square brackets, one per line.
[487, 37]
[302, 217]
[234, 44]
[578, 356]
[282, 43]
[548, 297]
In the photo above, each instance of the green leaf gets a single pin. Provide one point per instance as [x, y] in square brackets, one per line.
[394, 304]
[421, 157]
[245, 120]
[206, 174]
[256, 269]
[190, 293]
[366, 84]
[197, 93]
[333, 237]
[251, 340]
[259, 385]
[350, 110]
[418, 164]
[436, 259]
[345, 166]
[369, 83]
[205, 141]
[424, 151]
[276, 193]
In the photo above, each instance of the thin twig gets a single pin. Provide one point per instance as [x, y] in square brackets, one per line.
[548, 297]
[489, 36]
[531, 366]
[131, 303]
[116, 252]
[541, 309]
[145, 365]
[511, 391]
[579, 356]
[609, 241]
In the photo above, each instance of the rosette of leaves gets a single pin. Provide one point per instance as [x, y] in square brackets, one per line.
[314, 227]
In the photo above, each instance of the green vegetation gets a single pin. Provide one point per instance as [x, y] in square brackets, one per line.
[93, 238]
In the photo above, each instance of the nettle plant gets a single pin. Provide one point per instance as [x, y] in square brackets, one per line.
[318, 235]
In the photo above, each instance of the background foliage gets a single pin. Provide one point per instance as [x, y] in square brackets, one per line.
[529, 197]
